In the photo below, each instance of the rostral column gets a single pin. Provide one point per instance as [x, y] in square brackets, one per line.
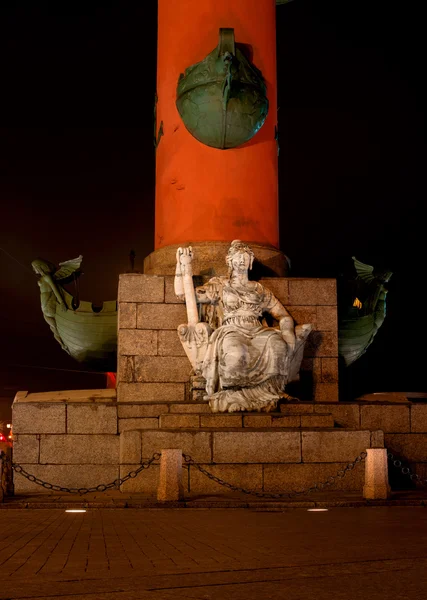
[206, 196]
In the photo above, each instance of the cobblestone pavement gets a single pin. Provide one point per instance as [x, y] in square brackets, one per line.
[161, 554]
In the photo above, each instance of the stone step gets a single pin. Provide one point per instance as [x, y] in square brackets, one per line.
[246, 420]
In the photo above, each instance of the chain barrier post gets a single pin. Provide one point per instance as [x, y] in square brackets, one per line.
[376, 485]
[170, 480]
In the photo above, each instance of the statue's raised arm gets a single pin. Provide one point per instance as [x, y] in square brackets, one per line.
[246, 365]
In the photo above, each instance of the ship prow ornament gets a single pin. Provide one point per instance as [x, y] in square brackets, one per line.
[222, 100]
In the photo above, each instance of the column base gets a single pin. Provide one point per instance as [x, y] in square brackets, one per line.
[209, 260]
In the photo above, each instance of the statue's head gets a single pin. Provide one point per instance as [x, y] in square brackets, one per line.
[43, 267]
[239, 256]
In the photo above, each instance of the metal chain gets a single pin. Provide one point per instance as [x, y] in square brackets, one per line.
[316, 487]
[406, 470]
[99, 488]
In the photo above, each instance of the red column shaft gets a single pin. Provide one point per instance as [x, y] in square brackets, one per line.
[202, 193]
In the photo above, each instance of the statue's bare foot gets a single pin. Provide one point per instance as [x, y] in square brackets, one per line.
[289, 398]
[213, 404]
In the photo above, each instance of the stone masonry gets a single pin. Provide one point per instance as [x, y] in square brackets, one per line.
[152, 365]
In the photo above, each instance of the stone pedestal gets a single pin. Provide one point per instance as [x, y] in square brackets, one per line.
[376, 475]
[153, 367]
[170, 479]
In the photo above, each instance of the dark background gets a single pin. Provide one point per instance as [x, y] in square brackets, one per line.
[77, 165]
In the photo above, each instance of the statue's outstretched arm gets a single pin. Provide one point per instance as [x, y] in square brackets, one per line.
[50, 282]
[286, 322]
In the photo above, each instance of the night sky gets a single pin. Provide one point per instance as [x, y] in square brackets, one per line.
[77, 164]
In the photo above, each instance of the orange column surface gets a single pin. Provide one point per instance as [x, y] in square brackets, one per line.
[202, 193]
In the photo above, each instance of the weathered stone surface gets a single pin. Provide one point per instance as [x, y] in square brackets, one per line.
[26, 449]
[377, 439]
[38, 418]
[93, 418]
[146, 482]
[317, 420]
[132, 342]
[160, 316]
[279, 286]
[221, 420]
[412, 447]
[138, 423]
[376, 475]
[162, 369]
[197, 407]
[329, 369]
[322, 343]
[333, 446]
[327, 318]
[170, 478]
[345, 415]
[125, 369]
[326, 392]
[169, 344]
[289, 408]
[197, 443]
[288, 478]
[130, 447]
[127, 315]
[170, 297]
[312, 291]
[389, 418]
[257, 420]
[419, 418]
[130, 411]
[79, 449]
[73, 476]
[93, 395]
[134, 287]
[314, 367]
[256, 447]
[286, 421]
[179, 421]
[151, 392]
[304, 314]
[246, 476]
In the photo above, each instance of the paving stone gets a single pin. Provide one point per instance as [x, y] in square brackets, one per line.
[133, 342]
[388, 418]
[135, 287]
[38, 418]
[256, 447]
[177, 421]
[138, 423]
[150, 392]
[170, 344]
[167, 369]
[127, 315]
[312, 291]
[79, 449]
[295, 477]
[130, 447]
[196, 443]
[26, 448]
[160, 316]
[333, 446]
[93, 418]
[220, 420]
[246, 476]
[419, 418]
